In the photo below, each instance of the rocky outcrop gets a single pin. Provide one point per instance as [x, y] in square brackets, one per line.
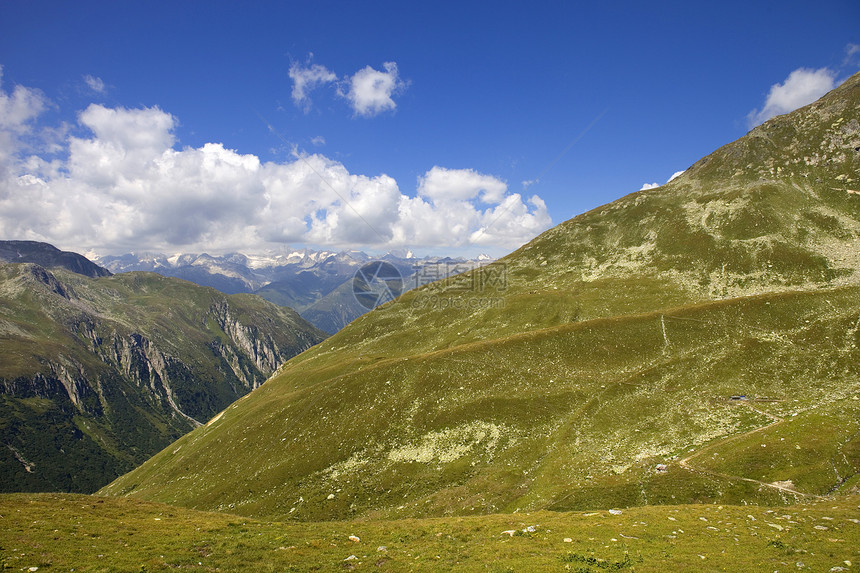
[147, 366]
[261, 349]
[42, 275]
[99, 375]
[68, 383]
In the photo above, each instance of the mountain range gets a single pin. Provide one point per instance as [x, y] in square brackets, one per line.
[100, 371]
[692, 343]
[317, 284]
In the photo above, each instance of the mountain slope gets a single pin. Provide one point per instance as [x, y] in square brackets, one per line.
[97, 374]
[594, 367]
[49, 256]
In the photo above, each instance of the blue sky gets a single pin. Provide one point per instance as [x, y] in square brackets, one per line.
[444, 127]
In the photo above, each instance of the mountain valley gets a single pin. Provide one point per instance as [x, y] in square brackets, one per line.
[99, 372]
[668, 381]
[693, 343]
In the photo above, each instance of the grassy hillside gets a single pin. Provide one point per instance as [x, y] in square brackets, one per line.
[595, 367]
[96, 534]
[97, 374]
[568, 417]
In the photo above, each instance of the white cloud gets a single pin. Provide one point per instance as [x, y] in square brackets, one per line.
[20, 107]
[125, 186]
[802, 86]
[18, 111]
[460, 207]
[95, 84]
[305, 79]
[318, 140]
[126, 146]
[364, 213]
[132, 129]
[370, 91]
[440, 184]
[509, 224]
[512, 221]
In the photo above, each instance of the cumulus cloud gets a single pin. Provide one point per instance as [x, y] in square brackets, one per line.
[121, 185]
[19, 108]
[460, 207]
[440, 184]
[512, 220]
[95, 84]
[370, 91]
[802, 86]
[305, 79]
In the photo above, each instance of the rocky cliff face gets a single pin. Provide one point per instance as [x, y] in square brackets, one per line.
[99, 373]
[259, 347]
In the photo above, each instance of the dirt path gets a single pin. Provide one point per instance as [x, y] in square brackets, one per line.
[775, 421]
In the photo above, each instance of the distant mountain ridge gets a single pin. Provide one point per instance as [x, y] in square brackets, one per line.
[317, 284]
[49, 256]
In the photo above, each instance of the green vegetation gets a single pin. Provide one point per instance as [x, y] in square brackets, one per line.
[569, 417]
[668, 382]
[97, 374]
[61, 532]
[593, 368]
